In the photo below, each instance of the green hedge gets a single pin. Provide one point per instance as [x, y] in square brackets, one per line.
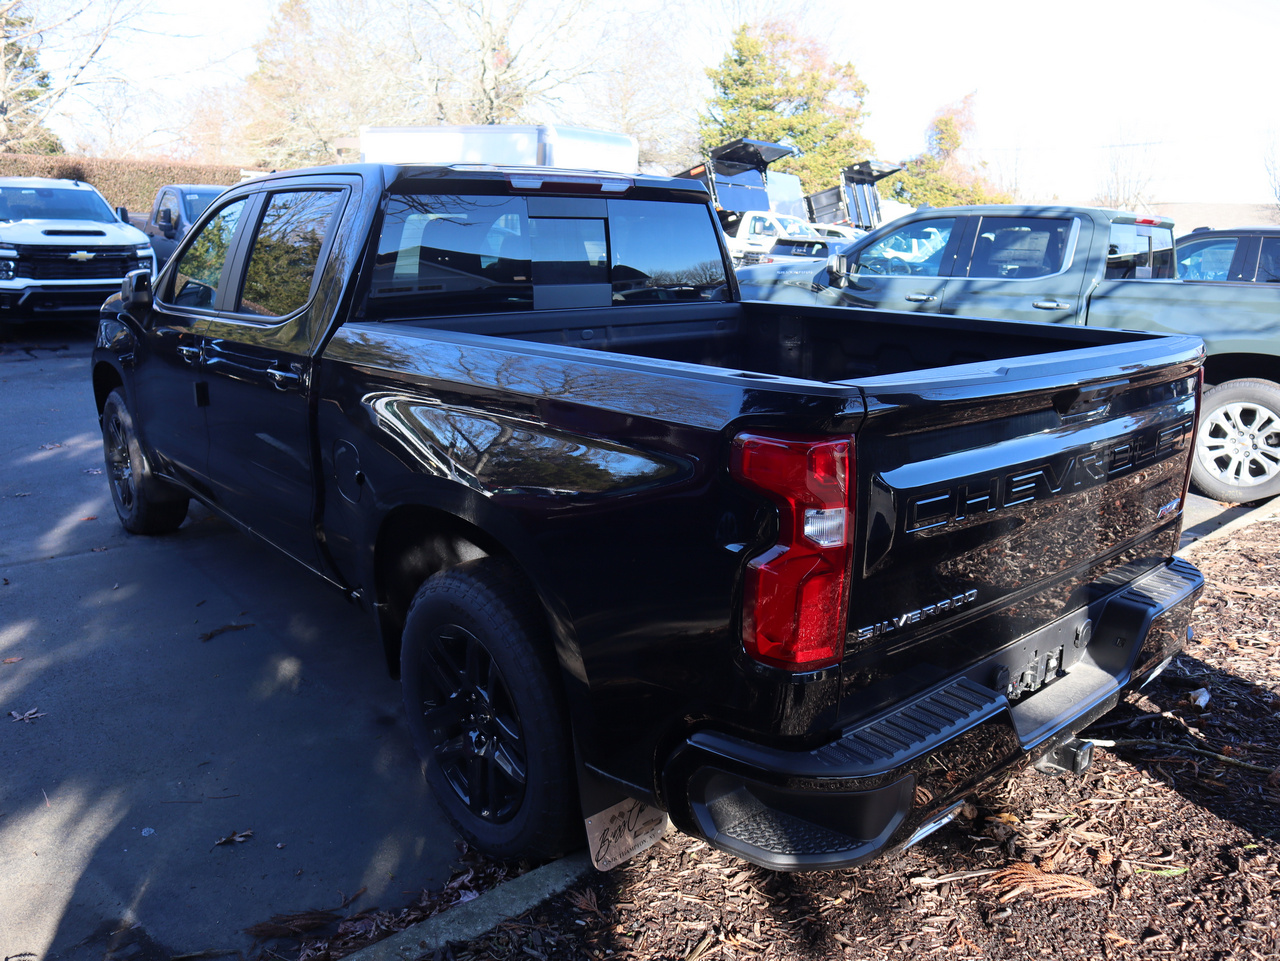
[125, 183]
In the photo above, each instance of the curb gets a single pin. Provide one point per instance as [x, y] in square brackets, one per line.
[464, 922]
[1268, 510]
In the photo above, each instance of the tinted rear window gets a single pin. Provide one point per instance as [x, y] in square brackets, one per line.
[463, 254]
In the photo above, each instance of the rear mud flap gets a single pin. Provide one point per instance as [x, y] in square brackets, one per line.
[618, 826]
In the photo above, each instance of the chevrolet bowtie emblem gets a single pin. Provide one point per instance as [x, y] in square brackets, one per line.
[81, 256]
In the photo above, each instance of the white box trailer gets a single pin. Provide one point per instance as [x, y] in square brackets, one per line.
[536, 145]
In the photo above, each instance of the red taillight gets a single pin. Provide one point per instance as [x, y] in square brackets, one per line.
[796, 592]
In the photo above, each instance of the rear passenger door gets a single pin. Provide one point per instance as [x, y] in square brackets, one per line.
[258, 366]
[1020, 268]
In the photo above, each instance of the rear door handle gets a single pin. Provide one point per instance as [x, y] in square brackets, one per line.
[283, 379]
[189, 354]
[1050, 305]
[921, 298]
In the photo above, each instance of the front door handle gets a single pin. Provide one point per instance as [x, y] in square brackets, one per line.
[921, 298]
[1050, 305]
[283, 379]
[189, 354]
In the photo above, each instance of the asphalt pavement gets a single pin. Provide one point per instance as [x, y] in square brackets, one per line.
[176, 692]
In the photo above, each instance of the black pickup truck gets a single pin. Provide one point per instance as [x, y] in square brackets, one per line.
[801, 578]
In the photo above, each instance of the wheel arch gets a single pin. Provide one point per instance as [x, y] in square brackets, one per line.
[415, 541]
[106, 378]
[1220, 368]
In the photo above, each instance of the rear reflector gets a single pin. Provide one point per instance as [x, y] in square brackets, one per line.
[796, 592]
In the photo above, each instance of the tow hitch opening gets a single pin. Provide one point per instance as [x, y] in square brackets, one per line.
[1070, 757]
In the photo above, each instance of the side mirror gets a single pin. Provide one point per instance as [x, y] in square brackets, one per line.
[135, 289]
[838, 269]
[165, 221]
[123, 214]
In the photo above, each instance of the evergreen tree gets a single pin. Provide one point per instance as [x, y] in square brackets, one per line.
[773, 85]
[25, 88]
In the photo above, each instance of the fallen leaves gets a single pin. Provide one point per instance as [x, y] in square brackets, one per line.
[11, 660]
[235, 837]
[291, 925]
[1019, 879]
[29, 716]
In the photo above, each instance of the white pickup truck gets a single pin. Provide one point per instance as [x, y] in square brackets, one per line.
[63, 251]
[756, 234]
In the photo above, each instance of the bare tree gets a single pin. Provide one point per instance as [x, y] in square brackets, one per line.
[510, 58]
[50, 49]
[1271, 159]
[648, 86]
[1126, 182]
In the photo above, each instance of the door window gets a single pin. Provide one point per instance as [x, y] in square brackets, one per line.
[914, 248]
[1019, 247]
[1269, 261]
[286, 251]
[199, 272]
[1208, 259]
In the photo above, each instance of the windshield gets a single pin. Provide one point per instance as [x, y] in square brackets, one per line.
[795, 227]
[53, 203]
[197, 200]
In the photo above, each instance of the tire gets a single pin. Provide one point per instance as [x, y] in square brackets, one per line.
[144, 503]
[486, 711]
[1237, 449]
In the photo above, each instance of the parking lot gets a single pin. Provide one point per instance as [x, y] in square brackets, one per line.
[160, 695]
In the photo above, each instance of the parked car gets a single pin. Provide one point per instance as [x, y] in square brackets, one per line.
[175, 209]
[801, 578]
[839, 231]
[1080, 265]
[1242, 255]
[754, 236]
[63, 250]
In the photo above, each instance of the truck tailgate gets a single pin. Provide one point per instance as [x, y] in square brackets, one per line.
[1008, 500]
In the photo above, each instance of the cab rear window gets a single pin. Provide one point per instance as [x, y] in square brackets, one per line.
[1140, 252]
[456, 254]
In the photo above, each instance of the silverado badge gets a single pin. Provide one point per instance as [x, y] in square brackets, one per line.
[81, 256]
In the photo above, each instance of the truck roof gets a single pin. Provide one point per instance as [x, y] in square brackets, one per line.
[521, 178]
[1052, 210]
[35, 183]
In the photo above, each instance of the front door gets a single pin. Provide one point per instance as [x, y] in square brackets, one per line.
[904, 269]
[172, 397]
[257, 357]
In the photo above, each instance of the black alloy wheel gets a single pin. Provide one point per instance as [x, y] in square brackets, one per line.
[469, 712]
[144, 503]
[486, 708]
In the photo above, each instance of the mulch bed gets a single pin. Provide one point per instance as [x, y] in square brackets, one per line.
[1169, 845]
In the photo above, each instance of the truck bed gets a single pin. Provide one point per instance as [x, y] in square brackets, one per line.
[825, 345]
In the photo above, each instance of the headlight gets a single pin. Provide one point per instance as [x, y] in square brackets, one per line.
[8, 268]
[144, 250]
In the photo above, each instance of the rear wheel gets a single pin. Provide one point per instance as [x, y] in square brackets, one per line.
[487, 713]
[1237, 449]
[144, 503]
